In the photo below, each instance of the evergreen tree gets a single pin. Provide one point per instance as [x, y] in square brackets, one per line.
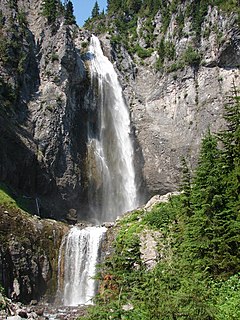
[214, 229]
[134, 5]
[231, 136]
[49, 10]
[186, 188]
[114, 5]
[69, 16]
[95, 10]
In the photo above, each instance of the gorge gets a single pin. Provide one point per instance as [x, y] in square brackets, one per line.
[91, 129]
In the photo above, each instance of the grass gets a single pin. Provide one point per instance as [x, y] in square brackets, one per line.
[12, 201]
[5, 198]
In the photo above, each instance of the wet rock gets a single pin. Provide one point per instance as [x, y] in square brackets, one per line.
[28, 255]
[22, 314]
[72, 216]
[40, 312]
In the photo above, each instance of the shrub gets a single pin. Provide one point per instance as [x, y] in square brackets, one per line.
[191, 57]
[54, 57]
[143, 53]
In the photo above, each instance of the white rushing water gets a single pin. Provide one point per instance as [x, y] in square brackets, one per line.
[111, 175]
[111, 170]
[81, 256]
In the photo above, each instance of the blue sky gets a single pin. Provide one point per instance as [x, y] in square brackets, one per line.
[83, 9]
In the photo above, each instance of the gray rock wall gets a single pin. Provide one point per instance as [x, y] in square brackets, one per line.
[43, 131]
[171, 111]
[43, 128]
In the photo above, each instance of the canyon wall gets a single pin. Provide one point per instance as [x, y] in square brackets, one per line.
[45, 93]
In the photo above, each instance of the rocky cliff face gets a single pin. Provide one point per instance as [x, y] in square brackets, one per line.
[29, 254]
[172, 106]
[45, 87]
[43, 120]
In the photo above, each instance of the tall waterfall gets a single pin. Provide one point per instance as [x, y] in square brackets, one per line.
[112, 186]
[81, 256]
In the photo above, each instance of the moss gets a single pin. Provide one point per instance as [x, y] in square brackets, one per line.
[11, 199]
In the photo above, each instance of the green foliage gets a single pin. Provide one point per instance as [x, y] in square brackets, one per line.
[54, 57]
[179, 65]
[121, 23]
[95, 10]
[8, 95]
[163, 214]
[50, 10]
[191, 57]
[231, 137]
[180, 22]
[198, 12]
[115, 40]
[22, 19]
[166, 50]
[143, 53]
[5, 198]
[9, 200]
[226, 298]
[68, 14]
[2, 19]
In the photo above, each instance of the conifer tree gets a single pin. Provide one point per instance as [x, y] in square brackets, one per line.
[114, 5]
[134, 5]
[186, 187]
[95, 10]
[214, 228]
[49, 10]
[69, 16]
[231, 136]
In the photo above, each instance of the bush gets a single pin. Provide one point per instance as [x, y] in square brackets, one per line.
[143, 53]
[191, 57]
[226, 296]
[54, 57]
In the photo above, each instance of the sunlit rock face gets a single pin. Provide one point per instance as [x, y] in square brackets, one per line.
[171, 111]
[44, 129]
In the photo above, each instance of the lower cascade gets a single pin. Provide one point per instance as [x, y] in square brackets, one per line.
[111, 179]
[82, 251]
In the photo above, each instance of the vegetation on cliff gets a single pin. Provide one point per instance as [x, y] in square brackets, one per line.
[52, 9]
[135, 25]
[198, 271]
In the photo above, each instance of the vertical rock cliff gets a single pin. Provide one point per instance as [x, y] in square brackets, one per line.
[177, 69]
[43, 120]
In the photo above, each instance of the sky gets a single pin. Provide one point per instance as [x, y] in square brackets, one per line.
[83, 9]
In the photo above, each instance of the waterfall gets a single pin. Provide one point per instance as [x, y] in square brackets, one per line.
[82, 252]
[111, 176]
[112, 186]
